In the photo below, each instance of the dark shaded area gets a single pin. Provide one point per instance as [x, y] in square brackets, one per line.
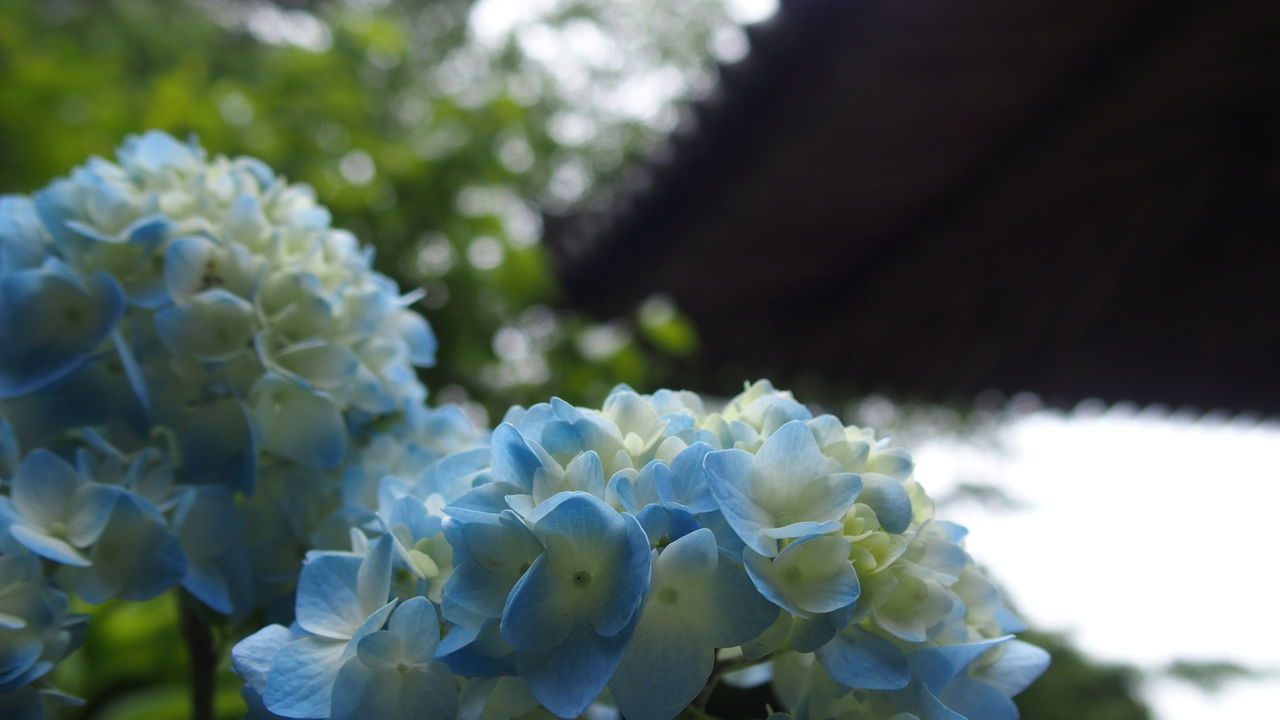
[1073, 684]
[932, 198]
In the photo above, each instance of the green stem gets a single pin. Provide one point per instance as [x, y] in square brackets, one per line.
[722, 668]
[200, 648]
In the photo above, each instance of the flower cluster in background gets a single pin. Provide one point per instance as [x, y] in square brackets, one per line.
[199, 380]
[627, 557]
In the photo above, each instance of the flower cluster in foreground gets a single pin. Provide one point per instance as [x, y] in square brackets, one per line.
[199, 380]
[626, 557]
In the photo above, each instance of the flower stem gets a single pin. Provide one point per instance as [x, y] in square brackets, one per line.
[204, 662]
[721, 668]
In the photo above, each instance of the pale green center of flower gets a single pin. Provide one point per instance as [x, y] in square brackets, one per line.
[57, 528]
[581, 579]
[402, 668]
[669, 595]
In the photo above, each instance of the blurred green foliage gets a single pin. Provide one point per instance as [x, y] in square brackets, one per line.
[1076, 687]
[133, 665]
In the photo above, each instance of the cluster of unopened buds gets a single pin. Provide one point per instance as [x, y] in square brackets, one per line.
[201, 381]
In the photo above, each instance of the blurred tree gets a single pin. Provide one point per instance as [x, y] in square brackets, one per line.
[1076, 687]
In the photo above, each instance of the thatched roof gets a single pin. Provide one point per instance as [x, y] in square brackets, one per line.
[932, 198]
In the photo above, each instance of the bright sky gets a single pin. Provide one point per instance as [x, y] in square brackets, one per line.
[1148, 539]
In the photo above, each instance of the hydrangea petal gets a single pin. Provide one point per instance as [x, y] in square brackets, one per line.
[859, 658]
[43, 486]
[664, 667]
[809, 577]
[252, 656]
[327, 604]
[566, 678]
[728, 480]
[217, 444]
[302, 677]
[51, 323]
[299, 424]
[56, 549]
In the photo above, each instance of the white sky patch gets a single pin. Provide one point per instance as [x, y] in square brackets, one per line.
[1147, 539]
[751, 11]
[580, 52]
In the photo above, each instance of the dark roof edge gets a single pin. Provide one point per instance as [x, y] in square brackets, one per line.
[616, 228]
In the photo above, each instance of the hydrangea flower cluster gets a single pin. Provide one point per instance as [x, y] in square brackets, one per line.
[200, 379]
[628, 557]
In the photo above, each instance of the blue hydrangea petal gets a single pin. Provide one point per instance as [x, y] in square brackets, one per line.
[217, 444]
[42, 487]
[419, 338]
[728, 478]
[937, 666]
[894, 462]
[541, 610]
[214, 325]
[511, 458]
[373, 579]
[480, 589]
[55, 549]
[888, 498]
[319, 363]
[135, 558]
[186, 265]
[1017, 667]
[931, 708]
[859, 658]
[22, 235]
[327, 604]
[771, 639]
[486, 655]
[566, 678]
[741, 613]
[664, 666]
[810, 576]
[299, 424]
[91, 510]
[789, 458]
[380, 650]
[646, 484]
[585, 472]
[802, 529]
[416, 625]
[664, 525]
[245, 222]
[976, 699]
[252, 656]
[810, 633]
[430, 692]
[300, 684]
[51, 323]
[154, 152]
[686, 484]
